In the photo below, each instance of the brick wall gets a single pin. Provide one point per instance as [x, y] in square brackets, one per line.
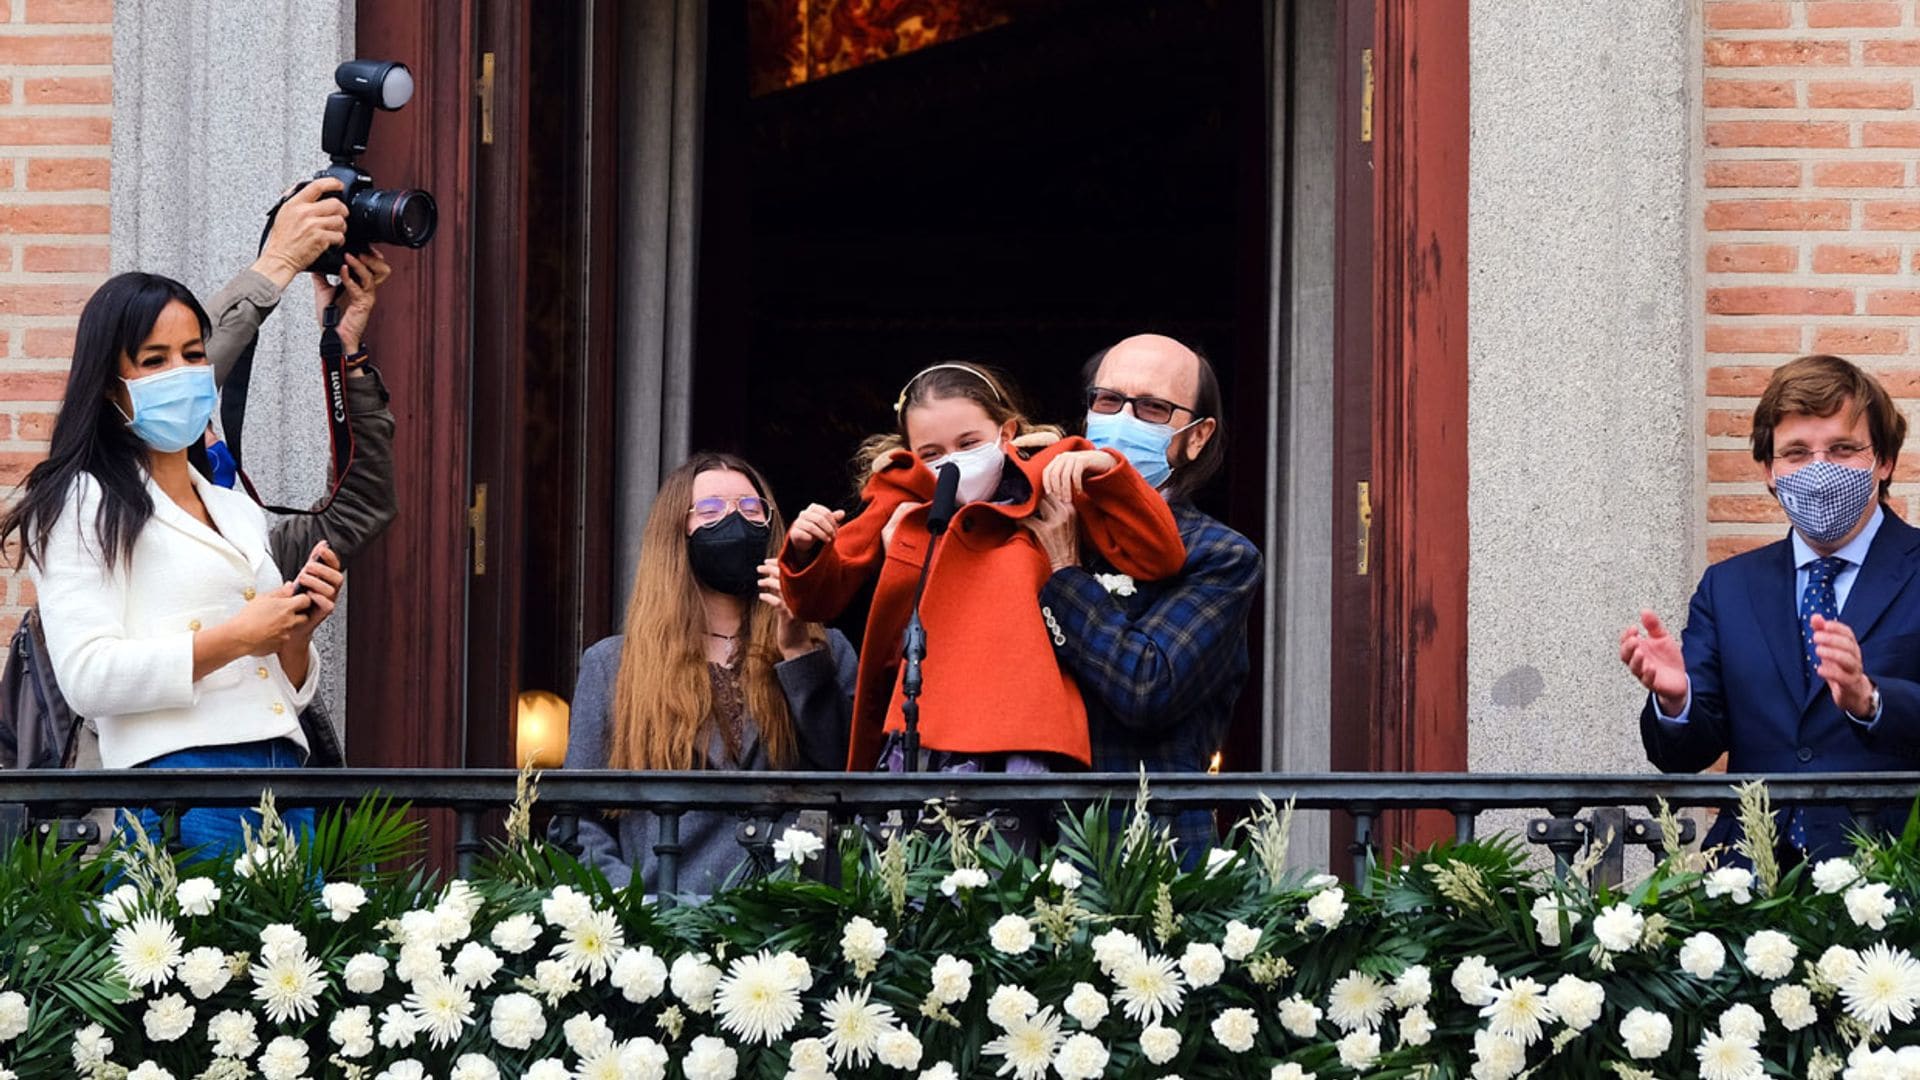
[1812, 218]
[56, 84]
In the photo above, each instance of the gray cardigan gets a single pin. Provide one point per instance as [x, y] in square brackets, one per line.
[819, 689]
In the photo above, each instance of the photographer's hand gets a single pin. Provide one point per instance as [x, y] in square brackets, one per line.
[307, 224]
[361, 280]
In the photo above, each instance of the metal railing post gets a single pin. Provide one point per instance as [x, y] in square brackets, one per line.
[666, 850]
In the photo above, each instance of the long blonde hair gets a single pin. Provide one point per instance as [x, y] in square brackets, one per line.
[663, 694]
[977, 383]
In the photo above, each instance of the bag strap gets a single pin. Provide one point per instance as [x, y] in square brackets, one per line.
[333, 372]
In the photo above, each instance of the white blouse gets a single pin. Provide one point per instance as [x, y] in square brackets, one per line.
[122, 641]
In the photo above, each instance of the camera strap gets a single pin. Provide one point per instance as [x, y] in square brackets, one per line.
[333, 371]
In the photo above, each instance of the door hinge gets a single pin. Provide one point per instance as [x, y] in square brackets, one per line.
[1366, 95]
[1364, 500]
[483, 89]
[477, 523]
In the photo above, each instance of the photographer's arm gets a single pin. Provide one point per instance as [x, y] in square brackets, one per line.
[305, 225]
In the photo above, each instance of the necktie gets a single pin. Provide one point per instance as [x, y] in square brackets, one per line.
[1816, 599]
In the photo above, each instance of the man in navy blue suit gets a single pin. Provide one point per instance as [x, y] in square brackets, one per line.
[1804, 655]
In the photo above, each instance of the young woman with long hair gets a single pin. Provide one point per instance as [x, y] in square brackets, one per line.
[166, 619]
[712, 670]
[995, 698]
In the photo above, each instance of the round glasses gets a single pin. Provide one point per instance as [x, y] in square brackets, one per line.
[710, 510]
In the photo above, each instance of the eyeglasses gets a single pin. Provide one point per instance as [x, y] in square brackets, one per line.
[1840, 453]
[710, 510]
[1151, 409]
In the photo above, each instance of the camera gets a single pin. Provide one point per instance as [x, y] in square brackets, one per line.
[404, 216]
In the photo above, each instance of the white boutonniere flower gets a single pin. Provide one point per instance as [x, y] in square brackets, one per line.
[1115, 584]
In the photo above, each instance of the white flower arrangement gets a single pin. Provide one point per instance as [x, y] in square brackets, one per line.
[1116, 584]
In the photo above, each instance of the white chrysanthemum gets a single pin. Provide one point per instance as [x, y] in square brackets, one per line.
[442, 1009]
[758, 1001]
[1722, 1058]
[281, 939]
[352, 1031]
[1160, 1044]
[1413, 986]
[119, 905]
[1148, 989]
[398, 1029]
[1474, 980]
[640, 975]
[288, 987]
[517, 1021]
[710, 1059]
[1869, 905]
[1732, 881]
[1832, 875]
[565, 907]
[970, 878]
[1743, 1023]
[1576, 1001]
[1287, 1070]
[1065, 874]
[1086, 1005]
[285, 1058]
[1081, 1057]
[516, 934]
[167, 1018]
[474, 1067]
[1770, 954]
[1836, 963]
[854, 1024]
[1240, 941]
[590, 945]
[342, 899]
[1359, 1050]
[1010, 1003]
[205, 972]
[693, 978]
[1328, 907]
[1883, 987]
[898, 1048]
[1518, 1011]
[365, 973]
[1357, 1001]
[952, 980]
[1012, 934]
[808, 1056]
[197, 896]
[1300, 1017]
[587, 1034]
[147, 1070]
[1793, 1005]
[146, 950]
[863, 943]
[1202, 964]
[1235, 1029]
[1546, 920]
[1497, 1057]
[1619, 927]
[91, 1045]
[1416, 1027]
[1027, 1045]
[234, 1034]
[1702, 956]
[796, 846]
[1646, 1034]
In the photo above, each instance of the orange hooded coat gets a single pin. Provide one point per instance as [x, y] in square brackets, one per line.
[992, 684]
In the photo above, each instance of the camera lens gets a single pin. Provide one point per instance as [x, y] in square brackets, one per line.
[394, 216]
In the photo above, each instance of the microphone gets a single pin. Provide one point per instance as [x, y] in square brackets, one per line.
[946, 492]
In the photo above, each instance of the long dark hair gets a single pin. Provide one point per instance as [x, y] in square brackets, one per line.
[89, 435]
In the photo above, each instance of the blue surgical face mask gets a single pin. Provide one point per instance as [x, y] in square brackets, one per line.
[1143, 444]
[171, 409]
[1825, 501]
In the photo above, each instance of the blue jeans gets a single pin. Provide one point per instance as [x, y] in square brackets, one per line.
[214, 832]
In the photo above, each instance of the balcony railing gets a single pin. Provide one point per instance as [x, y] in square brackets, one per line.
[38, 801]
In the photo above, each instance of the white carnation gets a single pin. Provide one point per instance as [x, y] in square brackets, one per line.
[516, 934]
[1202, 964]
[352, 1031]
[1064, 874]
[1576, 1001]
[1081, 1057]
[1646, 1034]
[1416, 1027]
[285, 1059]
[1240, 942]
[710, 1059]
[1474, 980]
[517, 1021]
[952, 980]
[898, 1048]
[1833, 875]
[1359, 1050]
[1743, 1023]
[1702, 955]
[863, 944]
[639, 974]
[342, 899]
[587, 1035]
[1235, 1029]
[1411, 987]
[1086, 1005]
[1327, 907]
[1770, 954]
[1012, 934]
[1300, 1017]
[205, 972]
[796, 846]
[1010, 1004]
[233, 1033]
[970, 878]
[1869, 905]
[365, 973]
[197, 896]
[693, 979]
[1547, 911]
[1793, 1005]
[474, 1067]
[1619, 927]
[1160, 1044]
[167, 1018]
[1733, 881]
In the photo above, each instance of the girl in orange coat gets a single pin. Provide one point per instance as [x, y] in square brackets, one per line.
[994, 695]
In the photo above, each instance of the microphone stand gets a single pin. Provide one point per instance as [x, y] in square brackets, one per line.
[916, 636]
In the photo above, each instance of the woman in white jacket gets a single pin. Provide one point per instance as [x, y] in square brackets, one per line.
[165, 617]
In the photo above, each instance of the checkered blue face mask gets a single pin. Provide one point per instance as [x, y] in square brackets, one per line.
[1825, 501]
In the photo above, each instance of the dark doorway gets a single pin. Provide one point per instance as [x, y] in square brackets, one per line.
[1022, 196]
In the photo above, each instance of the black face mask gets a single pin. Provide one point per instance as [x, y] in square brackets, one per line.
[727, 554]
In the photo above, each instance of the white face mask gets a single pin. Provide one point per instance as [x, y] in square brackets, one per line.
[979, 467]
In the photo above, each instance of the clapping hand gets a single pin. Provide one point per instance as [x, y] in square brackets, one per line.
[1655, 659]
